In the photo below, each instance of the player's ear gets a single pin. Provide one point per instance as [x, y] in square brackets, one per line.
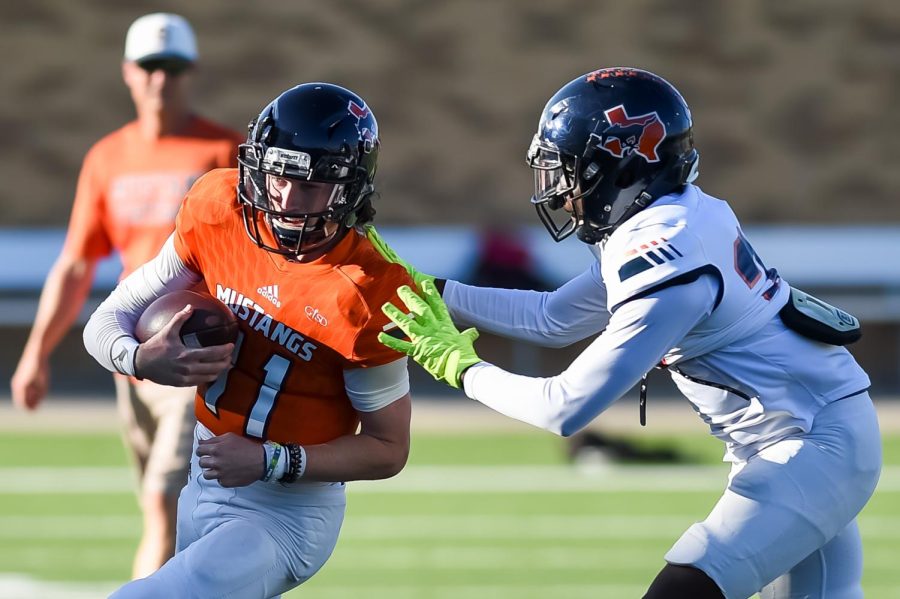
[128, 69]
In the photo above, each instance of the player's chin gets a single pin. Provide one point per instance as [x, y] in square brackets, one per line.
[292, 232]
[310, 247]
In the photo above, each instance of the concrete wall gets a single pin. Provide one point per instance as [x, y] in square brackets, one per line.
[794, 102]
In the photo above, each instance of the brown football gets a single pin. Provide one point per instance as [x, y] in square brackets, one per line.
[211, 323]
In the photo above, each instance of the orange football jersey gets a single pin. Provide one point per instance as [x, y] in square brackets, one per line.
[130, 188]
[301, 324]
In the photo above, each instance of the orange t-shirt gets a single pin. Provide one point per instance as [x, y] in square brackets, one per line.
[129, 189]
[301, 324]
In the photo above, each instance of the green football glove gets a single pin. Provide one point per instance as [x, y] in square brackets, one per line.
[435, 342]
[391, 256]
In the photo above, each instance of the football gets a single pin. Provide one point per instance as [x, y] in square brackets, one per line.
[211, 323]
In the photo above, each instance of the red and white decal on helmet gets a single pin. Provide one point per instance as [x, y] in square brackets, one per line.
[626, 134]
[601, 74]
[366, 136]
[360, 112]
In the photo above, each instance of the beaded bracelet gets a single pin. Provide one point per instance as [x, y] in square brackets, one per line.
[296, 463]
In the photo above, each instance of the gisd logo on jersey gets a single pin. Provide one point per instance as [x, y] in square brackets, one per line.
[314, 315]
[626, 134]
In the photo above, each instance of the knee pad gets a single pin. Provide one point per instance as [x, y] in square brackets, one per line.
[683, 582]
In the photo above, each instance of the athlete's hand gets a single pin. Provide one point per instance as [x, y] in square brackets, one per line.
[164, 359]
[391, 256]
[435, 342]
[30, 382]
[233, 460]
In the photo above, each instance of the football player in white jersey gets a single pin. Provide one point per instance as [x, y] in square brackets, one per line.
[676, 285]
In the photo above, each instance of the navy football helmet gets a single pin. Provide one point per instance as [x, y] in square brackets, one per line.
[306, 172]
[608, 144]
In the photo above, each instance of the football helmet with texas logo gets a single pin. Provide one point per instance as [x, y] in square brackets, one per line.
[608, 144]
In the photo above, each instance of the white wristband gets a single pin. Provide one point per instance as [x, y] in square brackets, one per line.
[122, 353]
[302, 468]
[276, 461]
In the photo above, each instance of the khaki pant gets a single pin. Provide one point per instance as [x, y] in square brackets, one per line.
[158, 426]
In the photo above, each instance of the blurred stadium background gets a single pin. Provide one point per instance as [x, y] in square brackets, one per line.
[794, 108]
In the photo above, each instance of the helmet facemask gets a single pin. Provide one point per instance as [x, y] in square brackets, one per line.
[301, 207]
[554, 184]
[557, 186]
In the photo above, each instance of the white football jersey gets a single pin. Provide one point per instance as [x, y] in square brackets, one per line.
[750, 378]
[677, 285]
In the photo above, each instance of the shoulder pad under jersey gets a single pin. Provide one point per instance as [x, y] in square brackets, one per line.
[639, 261]
[213, 197]
[376, 281]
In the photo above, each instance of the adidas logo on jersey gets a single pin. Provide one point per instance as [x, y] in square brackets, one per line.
[270, 292]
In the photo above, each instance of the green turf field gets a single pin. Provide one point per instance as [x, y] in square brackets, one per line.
[482, 515]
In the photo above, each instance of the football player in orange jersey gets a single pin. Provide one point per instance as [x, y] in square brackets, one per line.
[307, 397]
[129, 190]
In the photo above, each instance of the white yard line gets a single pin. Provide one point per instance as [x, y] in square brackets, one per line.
[21, 587]
[14, 586]
[17, 586]
[436, 414]
[486, 527]
[436, 479]
[534, 590]
[66, 481]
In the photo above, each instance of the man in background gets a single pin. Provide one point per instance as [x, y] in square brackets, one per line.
[130, 187]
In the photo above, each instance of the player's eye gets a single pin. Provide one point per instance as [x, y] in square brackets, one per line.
[278, 182]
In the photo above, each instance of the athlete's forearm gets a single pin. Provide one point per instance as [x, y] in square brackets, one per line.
[379, 450]
[354, 457]
[552, 319]
[639, 335]
[62, 298]
[108, 335]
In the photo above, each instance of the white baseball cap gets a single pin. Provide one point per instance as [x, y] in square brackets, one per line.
[159, 36]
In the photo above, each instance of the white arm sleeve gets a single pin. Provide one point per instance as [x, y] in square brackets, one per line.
[371, 389]
[639, 334]
[558, 318]
[109, 333]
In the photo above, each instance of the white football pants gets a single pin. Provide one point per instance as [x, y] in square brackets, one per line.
[252, 542]
[786, 524]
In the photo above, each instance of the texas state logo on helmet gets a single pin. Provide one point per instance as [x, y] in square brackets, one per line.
[367, 135]
[625, 134]
[608, 144]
